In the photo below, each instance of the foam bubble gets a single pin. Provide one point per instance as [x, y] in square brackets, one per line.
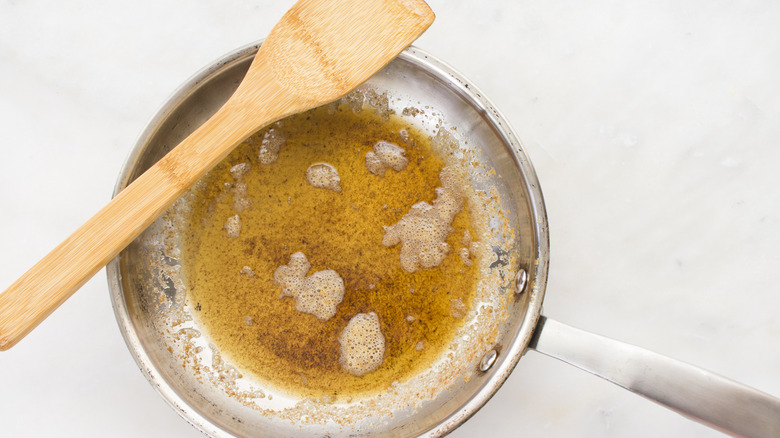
[362, 344]
[386, 155]
[317, 294]
[469, 249]
[467, 239]
[444, 142]
[240, 200]
[465, 256]
[380, 102]
[324, 176]
[239, 170]
[233, 226]
[458, 308]
[354, 100]
[423, 231]
[272, 142]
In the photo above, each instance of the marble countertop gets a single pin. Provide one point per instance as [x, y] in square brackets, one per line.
[654, 128]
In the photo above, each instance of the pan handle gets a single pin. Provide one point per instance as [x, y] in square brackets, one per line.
[700, 395]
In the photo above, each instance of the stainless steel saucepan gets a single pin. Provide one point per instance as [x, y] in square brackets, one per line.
[177, 357]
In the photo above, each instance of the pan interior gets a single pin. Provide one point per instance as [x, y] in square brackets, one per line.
[182, 362]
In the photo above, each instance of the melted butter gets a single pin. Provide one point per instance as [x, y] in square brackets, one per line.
[342, 231]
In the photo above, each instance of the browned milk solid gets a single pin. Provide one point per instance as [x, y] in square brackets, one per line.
[230, 280]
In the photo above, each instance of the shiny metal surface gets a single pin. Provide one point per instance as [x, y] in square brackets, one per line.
[703, 396]
[521, 281]
[417, 77]
[414, 78]
[488, 360]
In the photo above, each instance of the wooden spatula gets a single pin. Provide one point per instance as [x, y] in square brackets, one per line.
[317, 53]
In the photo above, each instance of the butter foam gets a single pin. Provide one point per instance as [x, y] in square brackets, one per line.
[318, 294]
[362, 344]
[423, 231]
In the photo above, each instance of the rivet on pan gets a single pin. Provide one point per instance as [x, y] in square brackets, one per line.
[488, 360]
[521, 280]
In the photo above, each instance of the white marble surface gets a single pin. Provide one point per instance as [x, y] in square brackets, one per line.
[654, 127]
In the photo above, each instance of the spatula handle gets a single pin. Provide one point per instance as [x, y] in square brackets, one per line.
[37, 293]
[319, 51]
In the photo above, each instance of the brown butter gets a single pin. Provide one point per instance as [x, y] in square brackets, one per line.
[294, 351]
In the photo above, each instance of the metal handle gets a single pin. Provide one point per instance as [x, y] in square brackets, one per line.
[708, 398]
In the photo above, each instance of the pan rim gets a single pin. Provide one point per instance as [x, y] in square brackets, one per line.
[508, 358]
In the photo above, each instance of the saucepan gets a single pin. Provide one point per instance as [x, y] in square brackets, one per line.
[186, 368]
